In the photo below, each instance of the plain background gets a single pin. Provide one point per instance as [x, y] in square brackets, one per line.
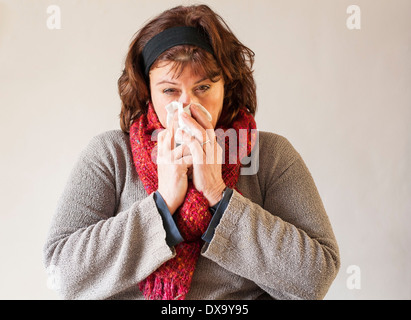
[342, 97]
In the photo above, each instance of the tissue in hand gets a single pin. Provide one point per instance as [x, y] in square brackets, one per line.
[175, 105]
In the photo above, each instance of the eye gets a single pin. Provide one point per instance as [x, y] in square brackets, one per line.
[169, 91]
[203, 88]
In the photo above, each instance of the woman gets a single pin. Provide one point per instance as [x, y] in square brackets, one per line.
[145, 217]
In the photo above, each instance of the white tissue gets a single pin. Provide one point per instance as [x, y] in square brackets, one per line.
[175, 105]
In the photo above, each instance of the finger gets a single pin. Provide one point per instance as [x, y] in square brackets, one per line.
[208, 148]
[188, 160]
[199, 115]
[199, 132]
[184, 137]
[173, 130]
[180, 152]
[178, 135]
[196, 151]
[162, 142]
[213, 154]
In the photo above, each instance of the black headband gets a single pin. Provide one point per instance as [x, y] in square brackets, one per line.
[170, 38]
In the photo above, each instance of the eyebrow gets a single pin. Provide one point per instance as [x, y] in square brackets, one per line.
[166, 81]
[175, 83]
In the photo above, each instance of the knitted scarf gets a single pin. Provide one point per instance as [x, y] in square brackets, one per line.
[173, 278]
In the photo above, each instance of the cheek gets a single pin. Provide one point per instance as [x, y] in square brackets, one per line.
[216, 105]
[162, 115]
[159, 107]
[215, 114]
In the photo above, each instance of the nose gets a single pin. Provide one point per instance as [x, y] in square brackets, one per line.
[186, 98]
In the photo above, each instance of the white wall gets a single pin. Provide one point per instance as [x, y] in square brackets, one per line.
[342, 97]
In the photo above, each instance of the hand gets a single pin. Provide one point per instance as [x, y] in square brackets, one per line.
[206, 157]
[173, 164]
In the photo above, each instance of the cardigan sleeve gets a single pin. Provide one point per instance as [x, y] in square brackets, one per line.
[94, 251]
[173, 235]
[217, 211]
[286, 246]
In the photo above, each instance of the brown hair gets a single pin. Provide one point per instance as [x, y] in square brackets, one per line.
[231, 59]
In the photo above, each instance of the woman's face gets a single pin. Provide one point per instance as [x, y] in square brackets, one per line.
[186, 88]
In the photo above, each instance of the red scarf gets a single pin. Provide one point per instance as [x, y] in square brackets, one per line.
[173, 278]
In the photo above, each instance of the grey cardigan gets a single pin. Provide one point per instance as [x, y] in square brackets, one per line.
[274, 240]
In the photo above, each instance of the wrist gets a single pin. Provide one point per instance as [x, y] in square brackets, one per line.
[216, 195]
[170, 205]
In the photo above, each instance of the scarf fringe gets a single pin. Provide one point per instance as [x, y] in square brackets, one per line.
[155, 288]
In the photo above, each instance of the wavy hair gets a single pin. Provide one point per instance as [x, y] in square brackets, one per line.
[232, 60]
